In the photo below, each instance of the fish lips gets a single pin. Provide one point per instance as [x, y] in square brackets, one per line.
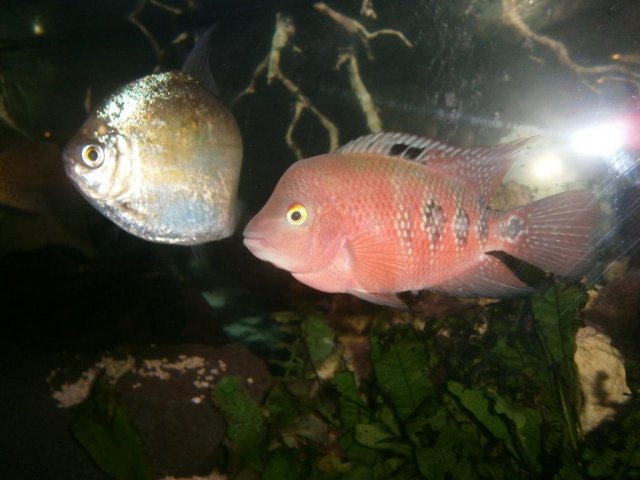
[69, 161]
[72, 169]
[260, 248]
[256, 245]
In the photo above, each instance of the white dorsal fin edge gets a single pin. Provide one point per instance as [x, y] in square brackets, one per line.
[481, 168]
[383, 143]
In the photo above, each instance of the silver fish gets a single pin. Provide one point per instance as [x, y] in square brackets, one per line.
[161, 157]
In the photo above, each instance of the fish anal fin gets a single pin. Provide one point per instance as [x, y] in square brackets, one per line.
[489, 277]
[20, 198]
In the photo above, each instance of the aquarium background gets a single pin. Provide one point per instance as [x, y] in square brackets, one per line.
[121, 358]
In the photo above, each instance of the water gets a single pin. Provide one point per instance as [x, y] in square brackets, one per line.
[541, 387]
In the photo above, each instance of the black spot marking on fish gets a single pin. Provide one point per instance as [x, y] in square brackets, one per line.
[512, 228]
[413, 152]
[482, 228]
[398, 149]
[461, 226]
[433, 220]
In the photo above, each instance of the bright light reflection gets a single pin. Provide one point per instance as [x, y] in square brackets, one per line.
[547, 167]
[598, 140]
[38, 29]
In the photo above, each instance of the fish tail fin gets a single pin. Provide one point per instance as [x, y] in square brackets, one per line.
[556, 233]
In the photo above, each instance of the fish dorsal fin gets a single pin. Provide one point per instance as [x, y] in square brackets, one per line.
[197, 63]
[478, 168]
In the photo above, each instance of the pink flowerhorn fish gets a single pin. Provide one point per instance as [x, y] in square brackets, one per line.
[392, 212]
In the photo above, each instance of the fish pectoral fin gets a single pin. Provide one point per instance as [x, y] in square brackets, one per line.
[387, 299]
[375, 263]
[488, 277]
[134, 210]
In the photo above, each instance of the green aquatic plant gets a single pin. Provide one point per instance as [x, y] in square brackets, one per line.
[105, 430]
[490, 393]
[245, 424]
[446, 401]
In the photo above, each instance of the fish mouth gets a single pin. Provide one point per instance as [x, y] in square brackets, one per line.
[68, 161]
[255, 244]
[261, 249]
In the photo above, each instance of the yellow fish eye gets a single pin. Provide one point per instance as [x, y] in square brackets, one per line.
[297, 214]
[92, 156]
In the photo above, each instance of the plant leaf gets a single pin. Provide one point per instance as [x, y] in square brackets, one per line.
[242, 414]
[377, 437]
[281, 464]
[479, 406]
[104, 429]
[319, 338]
[400, 365]
[526, 423]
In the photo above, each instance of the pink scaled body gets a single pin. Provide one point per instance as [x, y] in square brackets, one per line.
[389, 213]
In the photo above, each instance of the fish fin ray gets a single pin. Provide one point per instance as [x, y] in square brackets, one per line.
[560, 233]
[375, 262]
[393, 144]
[197, 64]
[489, 277]
[14, 197]
[387, 299]
[477, 168]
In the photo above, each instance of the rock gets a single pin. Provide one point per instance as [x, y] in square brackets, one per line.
[168, 398]
[614, 309]
[165, 390]
[35, 440]
[602, 378]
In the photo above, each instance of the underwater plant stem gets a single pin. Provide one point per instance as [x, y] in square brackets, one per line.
[133, 18]
[570, 424]
[356, 28]
[570, 417]
[282, 38]
[367, 10]
[362, 94]
[251, 88]
[512, 17]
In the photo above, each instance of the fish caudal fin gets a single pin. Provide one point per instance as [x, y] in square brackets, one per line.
[555, 234]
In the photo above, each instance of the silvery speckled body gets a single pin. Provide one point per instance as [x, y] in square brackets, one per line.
[170, 156]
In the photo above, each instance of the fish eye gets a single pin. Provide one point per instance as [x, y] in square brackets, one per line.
[297, 214]
[92, 156]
